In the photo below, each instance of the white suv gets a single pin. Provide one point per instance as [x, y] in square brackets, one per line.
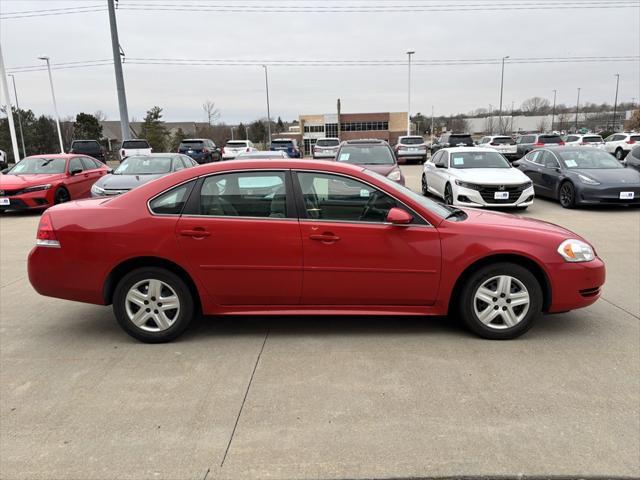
[326, 148]
[501, 143]
[134, 147]
[411, 147]
[619, 144]
[589, 139]
[234, 147]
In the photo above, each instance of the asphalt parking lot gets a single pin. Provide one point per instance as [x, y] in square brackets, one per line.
[259, 397]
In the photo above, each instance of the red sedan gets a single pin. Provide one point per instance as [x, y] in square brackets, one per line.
[292, 237]
[43, 180]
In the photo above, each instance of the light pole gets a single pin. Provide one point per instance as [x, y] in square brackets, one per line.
[615, 102]
[501, 89]
[266, 82]
[553, 111]
[55, 106]
[431, 123]
[409, 53]
[15, 93]
[577, 108]
[5, 93]
[117, 65]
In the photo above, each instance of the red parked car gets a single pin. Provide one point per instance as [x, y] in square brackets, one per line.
[292, 237]
[43, 180]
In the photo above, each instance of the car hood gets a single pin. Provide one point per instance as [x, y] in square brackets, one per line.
[10, 182]
[125, 182]
[490, 176]
[511, 221]
[381, 169]
[611, 176]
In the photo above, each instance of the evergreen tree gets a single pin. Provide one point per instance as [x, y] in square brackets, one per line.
[154, 130]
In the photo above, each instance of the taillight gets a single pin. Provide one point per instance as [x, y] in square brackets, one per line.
[46, 236]
[248, 150]
[539, 144]
[631, 141]
[122, 152]
[561, 142]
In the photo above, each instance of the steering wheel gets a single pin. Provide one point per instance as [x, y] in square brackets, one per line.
[369, 205]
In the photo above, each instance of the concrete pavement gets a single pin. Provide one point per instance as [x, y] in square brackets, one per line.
[257, 397]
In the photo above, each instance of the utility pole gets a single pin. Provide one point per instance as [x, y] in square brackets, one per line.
[339, 105]
[117, 64]
[577, 108]
[15, 94]
[409, 53]
[500, 129]
[553, 111]
[266, 82]
[615, 103]
[53, 97]
[431, 123]
[5, 93]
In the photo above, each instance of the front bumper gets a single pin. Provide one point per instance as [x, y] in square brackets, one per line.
[466, 197]
[599, 195]
[576, 285]
[29, 201]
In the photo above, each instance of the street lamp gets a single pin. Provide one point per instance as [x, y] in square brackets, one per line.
[501, 90]
[409, 53]
[553, 112]
[15, 93]
[266, 82]
[55, 106]
[577, 108]
[615, 103]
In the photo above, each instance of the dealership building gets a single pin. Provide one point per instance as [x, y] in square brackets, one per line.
[385, 126]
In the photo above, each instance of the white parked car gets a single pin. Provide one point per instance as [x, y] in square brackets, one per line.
[234, 147]
[326, 147]
[135, 147]
[476, 177]
[501, 143]
[620, 144]
[411, 147]
[3, 160]
[589, 139]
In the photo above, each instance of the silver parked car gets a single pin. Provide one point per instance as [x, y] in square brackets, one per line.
[326, 148]
[137, 170]
[411, 148]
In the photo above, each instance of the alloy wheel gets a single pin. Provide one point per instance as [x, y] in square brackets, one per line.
[62, 196]
[152, 305]
[448, 195]
[566, 194]
[425, 190]
[501, 302]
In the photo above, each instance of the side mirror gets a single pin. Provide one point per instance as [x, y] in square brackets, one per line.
[75, 172]
[4, 171]
[557, 169]
[398, 216]
[516, 163]
[439, 165]
[109, 171]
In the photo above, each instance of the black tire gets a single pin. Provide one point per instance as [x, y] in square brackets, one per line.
[567, 195]
[620, 154]
[425, 190]
[61, 196]
[183, 316]
[522, 209]
[448, 194]
[467, 302]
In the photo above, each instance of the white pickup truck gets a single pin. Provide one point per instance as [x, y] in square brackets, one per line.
[130, 148]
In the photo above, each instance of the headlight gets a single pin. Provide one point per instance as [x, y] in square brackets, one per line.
[36, 188]
[96, 190]
[528, 185]
[471, 186]
[573, 250]
[395, 175]
[587, 180]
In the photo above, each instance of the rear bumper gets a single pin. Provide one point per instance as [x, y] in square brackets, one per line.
[324, 154]
[576, 285]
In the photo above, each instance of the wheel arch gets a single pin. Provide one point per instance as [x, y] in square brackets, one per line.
[534, 267]
[120, 270]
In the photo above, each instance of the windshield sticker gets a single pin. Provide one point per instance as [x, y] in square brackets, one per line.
[571, 163]
[344, 157]
[458, 160]
[364, 192]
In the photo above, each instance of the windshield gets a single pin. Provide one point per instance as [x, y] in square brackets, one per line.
[147, 165]
[437, 208]
[411, 140]
[135, 144]
[366, 155]
[478, 160]
[38, 166]
[503, 141]
[328, 142]
[588, 159]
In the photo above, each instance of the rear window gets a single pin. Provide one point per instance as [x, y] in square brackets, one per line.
[594, 139]
[411, 140]
[325, 142]
[192, 144]
[549, 139]
[366, 155]
[281, 143]
[236, 144]
[503, 141]
[460, 139]
[85, 146]
[635, 138]
[135, 144]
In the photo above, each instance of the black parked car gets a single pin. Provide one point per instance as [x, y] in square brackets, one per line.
[88, 147]
[633, 158]
[202, 150]
[452, 140]
[581, 176]
[531, 141]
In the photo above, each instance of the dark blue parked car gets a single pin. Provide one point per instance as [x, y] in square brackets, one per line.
[202, 150]
[288, 145]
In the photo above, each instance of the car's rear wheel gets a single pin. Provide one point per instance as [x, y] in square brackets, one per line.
[153, 305]
[425, 186]
[61, 196]
[567, 195]
[501, 301]
[620, 154]
[448, 194]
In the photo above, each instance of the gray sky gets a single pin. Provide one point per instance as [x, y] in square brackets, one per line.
[239, 90]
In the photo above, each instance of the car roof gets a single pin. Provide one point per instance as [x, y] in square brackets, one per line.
[194, 139]
[66, 156]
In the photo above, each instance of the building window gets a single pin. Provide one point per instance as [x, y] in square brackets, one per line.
[331, 129]
[314, 128]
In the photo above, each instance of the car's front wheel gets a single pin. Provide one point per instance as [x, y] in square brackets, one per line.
[567, 195]
[153, 305]
[501, 301]
[448, 194]
[620, 154]
[425, 186]
[61, 196]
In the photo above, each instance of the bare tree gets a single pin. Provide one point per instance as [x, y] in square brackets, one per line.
[210, 110]
[542, 125]
[535, 105]
[100, 115]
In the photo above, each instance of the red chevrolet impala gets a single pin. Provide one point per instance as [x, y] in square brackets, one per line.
[292, 237]
[40, 181]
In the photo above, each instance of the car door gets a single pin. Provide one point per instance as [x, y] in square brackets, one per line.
[77, 182]
[92, 172]
[240, 233]
[441, 173]
[531, 168]
[549, 174]
[430, 170]
[351, 256]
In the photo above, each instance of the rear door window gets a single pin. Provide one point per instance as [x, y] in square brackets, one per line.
[75, 164]
[88, 164]
[172, 201]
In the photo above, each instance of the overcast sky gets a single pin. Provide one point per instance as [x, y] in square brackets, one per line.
[239, 91]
